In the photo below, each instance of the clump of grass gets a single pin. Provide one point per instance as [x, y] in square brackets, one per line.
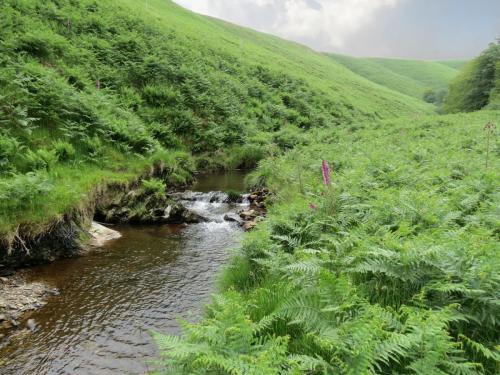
[154, 186]
[233, 195]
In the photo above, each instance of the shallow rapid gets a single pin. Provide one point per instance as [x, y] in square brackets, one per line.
[110, 300]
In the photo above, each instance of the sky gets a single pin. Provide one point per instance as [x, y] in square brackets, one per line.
[421, 29]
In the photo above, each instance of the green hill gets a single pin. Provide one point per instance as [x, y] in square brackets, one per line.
[114, 86]
[409, 77]
[455, 64]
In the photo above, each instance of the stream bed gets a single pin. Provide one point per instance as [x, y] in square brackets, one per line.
[111, 299]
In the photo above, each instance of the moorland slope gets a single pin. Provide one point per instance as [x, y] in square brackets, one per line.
[409, 77]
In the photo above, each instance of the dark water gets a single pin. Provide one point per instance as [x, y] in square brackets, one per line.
[110, 300]
[233, 180]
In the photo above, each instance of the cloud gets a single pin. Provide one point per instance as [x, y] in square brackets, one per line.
[322, 24]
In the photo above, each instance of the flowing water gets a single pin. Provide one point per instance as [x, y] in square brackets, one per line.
[110, 300]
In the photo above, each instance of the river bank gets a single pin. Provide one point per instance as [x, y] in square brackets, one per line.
[19, 296]
[141, 280]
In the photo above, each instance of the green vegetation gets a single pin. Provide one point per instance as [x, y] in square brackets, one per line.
[94, 92]
[436, 97]
[478, 86]
[393, 269]
[409, 77]
[455, 64]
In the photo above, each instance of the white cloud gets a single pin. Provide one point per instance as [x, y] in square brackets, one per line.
[322, 24]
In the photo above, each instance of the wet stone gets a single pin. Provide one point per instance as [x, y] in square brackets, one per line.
[233, 218]
[54, 292]
[249, 225]
[31, 324]
[248, 214]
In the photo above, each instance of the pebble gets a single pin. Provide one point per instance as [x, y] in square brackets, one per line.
[31, 324]
[249, 214]
[54, 292]
[249, 225]
[17, 297]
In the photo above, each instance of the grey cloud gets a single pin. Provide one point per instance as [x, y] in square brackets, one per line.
[399, 28]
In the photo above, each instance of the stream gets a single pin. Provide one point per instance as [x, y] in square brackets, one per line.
[111, 299]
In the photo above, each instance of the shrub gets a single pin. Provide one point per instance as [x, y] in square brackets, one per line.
[42, 44]
[165, 135]
[9, 150]
[429, 96]
[64, 151]
[245, 156]
[289, 137]
[40, 159]
[161, 95]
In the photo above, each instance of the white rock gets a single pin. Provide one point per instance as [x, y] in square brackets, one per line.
[31, 324]
[101, 234]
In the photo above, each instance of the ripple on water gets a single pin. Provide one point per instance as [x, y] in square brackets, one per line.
[110, 300]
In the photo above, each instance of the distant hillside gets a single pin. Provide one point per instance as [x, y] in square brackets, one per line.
[410, 77]
[455, 64]
[109, 87]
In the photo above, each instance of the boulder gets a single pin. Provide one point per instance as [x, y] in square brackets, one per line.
[101, 234]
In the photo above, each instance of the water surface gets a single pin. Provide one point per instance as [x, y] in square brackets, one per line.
[111, 299]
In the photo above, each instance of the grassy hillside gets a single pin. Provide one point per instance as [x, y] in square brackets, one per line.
[455, 64]
[409, 77]
[392, 268]
[109, 88]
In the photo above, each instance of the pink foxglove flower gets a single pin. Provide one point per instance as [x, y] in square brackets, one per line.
[326, 173]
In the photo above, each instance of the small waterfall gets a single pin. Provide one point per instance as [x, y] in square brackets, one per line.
[212, 206]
